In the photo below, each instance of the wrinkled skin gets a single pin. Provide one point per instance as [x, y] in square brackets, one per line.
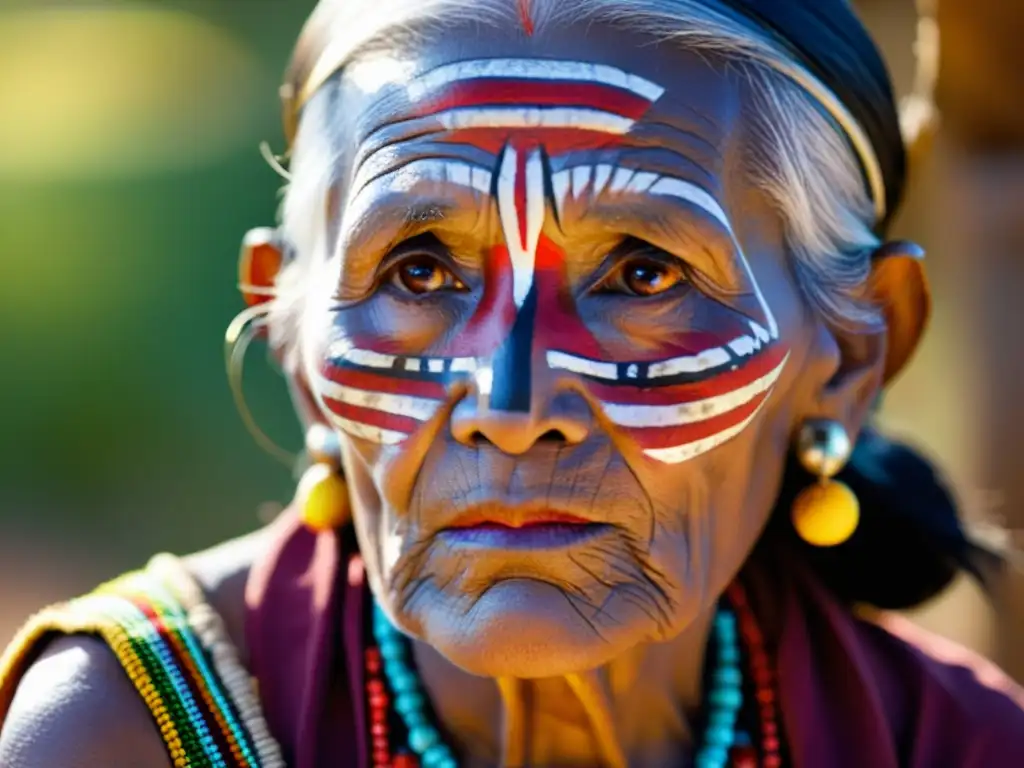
[417, 264]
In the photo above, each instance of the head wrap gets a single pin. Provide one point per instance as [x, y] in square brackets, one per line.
[828, 38]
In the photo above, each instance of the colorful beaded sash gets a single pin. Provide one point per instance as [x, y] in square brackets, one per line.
[174, 648]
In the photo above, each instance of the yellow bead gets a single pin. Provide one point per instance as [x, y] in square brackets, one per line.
[826, 514]
[323, 498]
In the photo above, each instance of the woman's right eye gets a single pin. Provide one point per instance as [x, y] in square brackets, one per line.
[421, 274]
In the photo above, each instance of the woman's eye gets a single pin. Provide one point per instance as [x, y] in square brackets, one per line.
[424, 275]
[644, 277]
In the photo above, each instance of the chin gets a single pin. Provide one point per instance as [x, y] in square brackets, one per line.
[528, 628]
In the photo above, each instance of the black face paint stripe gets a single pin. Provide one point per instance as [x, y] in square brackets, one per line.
[513, 365]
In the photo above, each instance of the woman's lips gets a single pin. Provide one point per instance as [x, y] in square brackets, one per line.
[542, 529]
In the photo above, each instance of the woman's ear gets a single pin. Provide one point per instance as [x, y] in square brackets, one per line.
[258, 265]
[861, 360]
[899, 287]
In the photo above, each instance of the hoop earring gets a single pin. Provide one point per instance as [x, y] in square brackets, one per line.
[246, 326]
[322, 494]
[827, 512]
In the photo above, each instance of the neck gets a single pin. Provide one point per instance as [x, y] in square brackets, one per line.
[635, 710]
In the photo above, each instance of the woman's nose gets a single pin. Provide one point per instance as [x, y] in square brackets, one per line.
[564, 417]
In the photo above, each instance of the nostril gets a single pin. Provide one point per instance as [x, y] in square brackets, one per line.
[553, 436]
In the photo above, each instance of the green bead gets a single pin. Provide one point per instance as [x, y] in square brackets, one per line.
[728, 654]
[728, 677]
[422, 738]
[729, 698]
[437, 756]
[408, 702]
[415, 719]
[403, 681]
[717, 736]
[391, 649]
[715, 756]
[722, 718]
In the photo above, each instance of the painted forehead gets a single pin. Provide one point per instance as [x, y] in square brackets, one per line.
[665, 109]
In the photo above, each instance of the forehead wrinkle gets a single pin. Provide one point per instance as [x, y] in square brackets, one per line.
[395, 156]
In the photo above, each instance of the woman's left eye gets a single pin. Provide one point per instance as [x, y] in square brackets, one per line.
[643, 277]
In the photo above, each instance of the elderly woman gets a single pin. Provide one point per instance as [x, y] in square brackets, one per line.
[584, 306]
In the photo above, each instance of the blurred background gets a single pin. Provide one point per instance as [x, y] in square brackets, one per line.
[130, 169]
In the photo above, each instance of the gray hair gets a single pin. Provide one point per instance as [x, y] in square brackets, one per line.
[799, 157]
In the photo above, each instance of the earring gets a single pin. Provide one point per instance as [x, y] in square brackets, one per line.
[826, 513]
[322, 494]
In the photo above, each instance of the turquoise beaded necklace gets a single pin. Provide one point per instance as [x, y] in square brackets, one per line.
[724, 701]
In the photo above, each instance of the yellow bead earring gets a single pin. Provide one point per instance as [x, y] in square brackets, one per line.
[827, 512]
[322, 494]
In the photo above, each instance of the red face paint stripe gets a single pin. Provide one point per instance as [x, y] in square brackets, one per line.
[541, 93]
[669, 437]
[556, 141]
[525, 17]
[728, 381]
[382, 382]
[372, 417]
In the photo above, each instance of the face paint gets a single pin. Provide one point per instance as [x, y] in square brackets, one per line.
[697, 392]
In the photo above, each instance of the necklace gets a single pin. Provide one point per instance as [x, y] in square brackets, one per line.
[725, 744]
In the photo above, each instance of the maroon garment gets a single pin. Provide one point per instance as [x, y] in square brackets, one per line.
[854, 693]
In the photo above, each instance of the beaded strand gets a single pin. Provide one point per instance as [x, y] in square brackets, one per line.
[763, 674]
[410, 701]
[377, 698]
[725, 699]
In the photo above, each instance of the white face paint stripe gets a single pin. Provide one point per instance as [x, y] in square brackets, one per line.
[532, 69]
[419, 408]
[366, 357]
[365, 431]
[579, 118]
[704, 361]
[522, 254]
[643, 416]
[566, 362]
[680, 453]
[403, 179]
[343, 350]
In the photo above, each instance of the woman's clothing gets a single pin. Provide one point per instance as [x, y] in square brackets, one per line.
[173, 647]
[853, 692]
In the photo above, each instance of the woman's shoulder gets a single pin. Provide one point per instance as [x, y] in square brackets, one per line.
[87, 682]
[947, 699]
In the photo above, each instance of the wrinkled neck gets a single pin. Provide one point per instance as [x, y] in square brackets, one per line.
[636, 710]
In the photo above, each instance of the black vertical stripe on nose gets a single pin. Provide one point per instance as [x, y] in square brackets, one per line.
[512, 365]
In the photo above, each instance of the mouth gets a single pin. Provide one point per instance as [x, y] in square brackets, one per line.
[504, 529]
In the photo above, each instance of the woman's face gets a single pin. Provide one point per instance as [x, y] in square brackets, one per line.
[558, 333]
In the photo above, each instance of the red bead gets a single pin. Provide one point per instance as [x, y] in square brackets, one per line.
[374, 686]
[379, 729]
[771, 744]
[381, 756]
[405, 760]
[372, 661]
[772, 761]
[766, 695]
[378, 701]
[743, 757]
[768, 727]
